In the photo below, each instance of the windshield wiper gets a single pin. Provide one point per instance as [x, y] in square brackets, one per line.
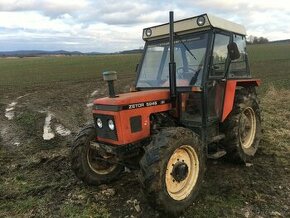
[185, 46]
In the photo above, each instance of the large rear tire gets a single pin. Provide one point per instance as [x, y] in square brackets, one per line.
[243, 127]
[172, 170]
[87, 163]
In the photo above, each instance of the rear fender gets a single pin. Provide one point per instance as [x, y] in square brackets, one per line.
[230, 91]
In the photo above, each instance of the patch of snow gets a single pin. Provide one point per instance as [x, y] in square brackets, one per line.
[42, 111]
[16, 143]
[90, 104]
[22, 96]
[249, 164]
[12, 104]
[9, 115]
[61, 130]
[94, 93]
[48, 134]
[9, 111]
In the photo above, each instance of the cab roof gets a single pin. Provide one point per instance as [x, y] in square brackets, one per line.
[191, 25]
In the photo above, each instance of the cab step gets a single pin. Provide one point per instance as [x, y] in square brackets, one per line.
[216, 155]
[217, 138]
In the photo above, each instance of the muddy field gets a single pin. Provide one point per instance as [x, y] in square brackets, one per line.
[36, 179]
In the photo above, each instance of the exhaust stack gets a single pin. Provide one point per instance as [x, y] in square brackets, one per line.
[110, 77]
[172, 64]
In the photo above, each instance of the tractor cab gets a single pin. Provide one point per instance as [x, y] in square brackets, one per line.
[208, 51]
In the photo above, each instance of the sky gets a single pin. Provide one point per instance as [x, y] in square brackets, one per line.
[112, 25]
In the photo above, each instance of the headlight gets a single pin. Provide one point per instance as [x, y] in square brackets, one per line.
[99, 123]
[148, 32]
[111, 124]
[200, 21]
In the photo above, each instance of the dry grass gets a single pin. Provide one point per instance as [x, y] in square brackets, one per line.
[276, 120]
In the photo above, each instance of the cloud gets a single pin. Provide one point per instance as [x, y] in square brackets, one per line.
[50, 8]
[109, 25]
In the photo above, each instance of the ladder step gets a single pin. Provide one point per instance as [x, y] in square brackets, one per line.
[217, 138]
[217, 154]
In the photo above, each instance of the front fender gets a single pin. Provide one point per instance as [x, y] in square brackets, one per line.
[230, 91]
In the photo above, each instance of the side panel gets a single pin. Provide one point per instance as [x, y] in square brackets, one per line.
[229, 98]
[230, 93]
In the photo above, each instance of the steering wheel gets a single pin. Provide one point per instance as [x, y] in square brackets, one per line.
[181, 73]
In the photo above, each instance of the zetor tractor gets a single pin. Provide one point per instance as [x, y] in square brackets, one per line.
[194, 99]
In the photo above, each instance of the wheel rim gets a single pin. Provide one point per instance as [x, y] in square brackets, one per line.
[247, 128]
[184, 160]
[99, 166]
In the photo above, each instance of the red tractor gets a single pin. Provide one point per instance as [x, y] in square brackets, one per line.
[194, 99]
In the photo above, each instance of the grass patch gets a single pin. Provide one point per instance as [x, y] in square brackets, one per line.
[31, 122]
[276, 116]
[88, 210]
[24, 207]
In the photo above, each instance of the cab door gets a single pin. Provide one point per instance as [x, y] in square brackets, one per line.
[217, 74]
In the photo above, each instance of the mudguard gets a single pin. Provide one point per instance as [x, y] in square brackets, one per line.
[230, 93]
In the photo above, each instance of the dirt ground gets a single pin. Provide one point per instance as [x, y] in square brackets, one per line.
[36, 179]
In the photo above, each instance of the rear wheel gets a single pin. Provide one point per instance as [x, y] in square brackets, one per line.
[172, 169]
[88, 164]
[243, 127]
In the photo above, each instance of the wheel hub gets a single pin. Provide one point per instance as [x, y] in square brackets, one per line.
[179, 171]
[182, 172]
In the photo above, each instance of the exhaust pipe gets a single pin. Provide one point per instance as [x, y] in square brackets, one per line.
[110, 77]
[172, 64]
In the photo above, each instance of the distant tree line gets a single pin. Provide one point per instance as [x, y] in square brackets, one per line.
[257, 40]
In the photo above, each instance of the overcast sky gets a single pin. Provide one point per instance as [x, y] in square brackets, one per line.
[109, 26]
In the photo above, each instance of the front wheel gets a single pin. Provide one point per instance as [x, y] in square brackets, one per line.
[172, 169]
[88, 164]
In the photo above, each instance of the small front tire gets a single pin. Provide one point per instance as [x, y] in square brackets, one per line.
[87, 163]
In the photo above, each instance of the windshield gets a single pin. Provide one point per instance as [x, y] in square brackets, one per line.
[189, 53]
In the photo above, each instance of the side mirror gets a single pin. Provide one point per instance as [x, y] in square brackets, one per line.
[233, 51]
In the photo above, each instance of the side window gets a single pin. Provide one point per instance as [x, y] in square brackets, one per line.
[238, 68]
[220, 54]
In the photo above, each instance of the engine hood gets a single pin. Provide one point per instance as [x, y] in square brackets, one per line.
[132, 98]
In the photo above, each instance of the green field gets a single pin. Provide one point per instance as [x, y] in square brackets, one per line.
[27, 72]
[269, 62]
